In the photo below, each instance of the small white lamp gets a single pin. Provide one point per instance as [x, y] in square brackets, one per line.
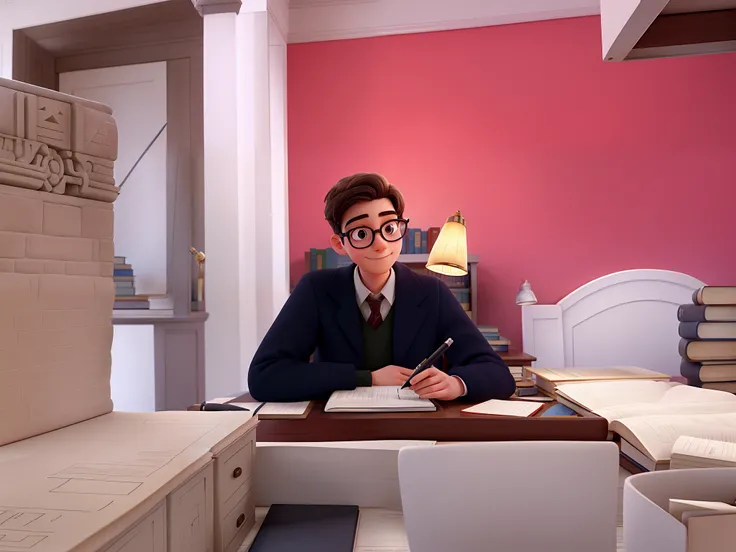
[525, 296]
[449, 253]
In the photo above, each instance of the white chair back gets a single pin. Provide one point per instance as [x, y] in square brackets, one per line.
[556, 496]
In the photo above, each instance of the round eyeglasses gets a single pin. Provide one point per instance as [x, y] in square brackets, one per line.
[361, 237]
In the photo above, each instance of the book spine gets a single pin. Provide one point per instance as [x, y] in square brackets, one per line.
[691, 313]
[697, 296]
[691, 372]
[688, 330]
[682, 349]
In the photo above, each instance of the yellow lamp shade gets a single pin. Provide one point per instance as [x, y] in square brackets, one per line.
[449, 253]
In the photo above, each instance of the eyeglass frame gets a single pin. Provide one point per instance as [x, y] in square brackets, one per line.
[344, 235]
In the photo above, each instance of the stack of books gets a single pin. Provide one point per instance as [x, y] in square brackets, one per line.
[125, 295]
[499, 343]
[708, 338]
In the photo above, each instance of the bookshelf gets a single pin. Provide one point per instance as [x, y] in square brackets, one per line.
[417, 260]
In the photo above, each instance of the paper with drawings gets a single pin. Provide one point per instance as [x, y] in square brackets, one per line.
[381, 530]
[386, 398]
[504, 408]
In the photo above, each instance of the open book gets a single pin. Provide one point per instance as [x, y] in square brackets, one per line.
[650, 415]
[694, 452]
[378, 399]
[615, 400]
[648, 440]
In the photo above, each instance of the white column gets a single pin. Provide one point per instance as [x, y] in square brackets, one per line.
[263, 149]
[229, 283]
[246, 210]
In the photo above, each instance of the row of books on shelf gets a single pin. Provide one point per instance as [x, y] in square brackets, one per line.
[318, 259]
[126, 297]
[420, 241]
[707, 347]
[499, 343]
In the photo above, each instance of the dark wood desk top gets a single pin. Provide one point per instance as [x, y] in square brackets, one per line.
[517, 357]
[448, 423]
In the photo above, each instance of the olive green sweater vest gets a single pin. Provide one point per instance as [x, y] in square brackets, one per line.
[378, 347]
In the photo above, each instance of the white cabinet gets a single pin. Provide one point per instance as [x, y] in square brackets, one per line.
[645, 29]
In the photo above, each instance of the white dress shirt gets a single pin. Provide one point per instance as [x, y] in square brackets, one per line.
[362, 293]
[389, 295]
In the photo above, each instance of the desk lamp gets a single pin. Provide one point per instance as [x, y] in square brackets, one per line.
[449, 253]
[525, 296]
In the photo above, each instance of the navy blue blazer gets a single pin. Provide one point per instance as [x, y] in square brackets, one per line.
[322, 317]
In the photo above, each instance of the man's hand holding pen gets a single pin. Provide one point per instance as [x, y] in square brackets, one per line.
[436, 384]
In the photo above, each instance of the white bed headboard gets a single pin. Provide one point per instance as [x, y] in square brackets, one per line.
[627, 318]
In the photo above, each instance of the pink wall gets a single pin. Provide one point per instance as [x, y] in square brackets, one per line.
[565, 167]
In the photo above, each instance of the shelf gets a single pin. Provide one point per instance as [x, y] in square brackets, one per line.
[155, 316]
[414, 258]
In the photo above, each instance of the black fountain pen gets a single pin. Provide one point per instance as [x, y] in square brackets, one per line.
[429, 361]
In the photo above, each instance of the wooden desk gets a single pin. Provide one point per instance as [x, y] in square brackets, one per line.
[517, 358]
[448, 423]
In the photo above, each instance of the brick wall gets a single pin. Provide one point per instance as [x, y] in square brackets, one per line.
[56, 297]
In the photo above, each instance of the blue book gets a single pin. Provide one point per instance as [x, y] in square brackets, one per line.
[307, 528]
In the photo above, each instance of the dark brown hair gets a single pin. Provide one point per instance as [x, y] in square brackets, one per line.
[355, 189]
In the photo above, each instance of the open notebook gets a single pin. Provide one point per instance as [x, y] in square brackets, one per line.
[378, 399]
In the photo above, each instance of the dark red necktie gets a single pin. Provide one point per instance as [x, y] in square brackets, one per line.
[375, 319]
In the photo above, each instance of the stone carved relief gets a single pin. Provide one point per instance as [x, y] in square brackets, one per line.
[56, 146]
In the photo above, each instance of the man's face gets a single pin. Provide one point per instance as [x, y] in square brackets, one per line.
[359, 224]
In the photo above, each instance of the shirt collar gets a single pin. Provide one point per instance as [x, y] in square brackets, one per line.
[362, 292]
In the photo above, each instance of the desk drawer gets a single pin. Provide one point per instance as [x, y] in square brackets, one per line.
[237, 522]
[233, 468]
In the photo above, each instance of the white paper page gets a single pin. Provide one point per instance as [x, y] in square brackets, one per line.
[689, 394]
[664, 409]
[605, 394]
[708, 449]
[377, 398]
[277, 408]
[504, 408]
[381, 530]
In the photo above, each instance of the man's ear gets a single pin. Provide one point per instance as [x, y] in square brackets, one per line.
[337, 245]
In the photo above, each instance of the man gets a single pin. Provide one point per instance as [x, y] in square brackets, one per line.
[372, 322]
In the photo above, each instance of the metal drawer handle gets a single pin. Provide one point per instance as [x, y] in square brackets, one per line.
[241, 519]
[237, 472]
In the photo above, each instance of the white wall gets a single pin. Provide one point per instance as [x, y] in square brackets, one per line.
[18, 14]
[133, 382]
[137, 95]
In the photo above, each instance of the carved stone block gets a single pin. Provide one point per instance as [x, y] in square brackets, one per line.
[56, 143]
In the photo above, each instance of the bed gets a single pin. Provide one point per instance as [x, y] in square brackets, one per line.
[627, 318]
